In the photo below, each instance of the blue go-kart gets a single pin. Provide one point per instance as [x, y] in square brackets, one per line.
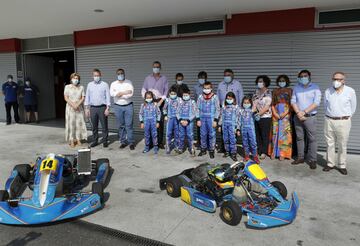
[237, 189]
[55, 186]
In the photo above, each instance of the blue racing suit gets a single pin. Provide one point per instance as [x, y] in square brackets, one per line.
[209, 111]
[150, 115]
[247, 127]
[229, 120]
[172, 125]
[187, 110]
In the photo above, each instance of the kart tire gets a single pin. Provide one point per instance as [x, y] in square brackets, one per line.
[230, 213]
[173, 187]
[23, 171]
[4, 195]
[99, 162]
[281, 188]
[98, 188]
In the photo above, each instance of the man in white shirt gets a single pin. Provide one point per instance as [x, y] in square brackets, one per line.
[122, 91]
[340, 105]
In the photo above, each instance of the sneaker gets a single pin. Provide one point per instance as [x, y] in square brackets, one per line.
[93, 144]
[262, 156]
[211, 154]
[298, 161]
[246, 158]
[233, 157]
[192, 152]
[132, 146]
[226, 154]
[312, 164]
[156, 149]
[256, 159]
[327, 168]
[202, 152]
[123, 146]
[105, 144]
[146, 150]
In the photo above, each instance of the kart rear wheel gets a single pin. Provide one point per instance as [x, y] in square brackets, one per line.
[173, 187]
[281, 188]
[4, 195]
[99, 162]
[98, 188]
[23, 171]
[230, 213]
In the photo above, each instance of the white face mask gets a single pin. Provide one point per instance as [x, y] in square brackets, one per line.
[282, 84]
[260, 85]
[179, 82]
[121, 77]
[96, 78]
[27, 83]
[75, 81]
[10, 80]
[156, 70]
[337, 84]
[207, 91]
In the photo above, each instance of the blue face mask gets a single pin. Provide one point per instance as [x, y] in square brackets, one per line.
[304, 80]
[227, 79]
[97, 79]
[173, 96]
[156, 70]
[230, 101]
[121, 77]
[148, 100]
[201, 81]
[247, 105]
[186, 97]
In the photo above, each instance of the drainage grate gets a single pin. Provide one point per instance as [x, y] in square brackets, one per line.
[131, 238]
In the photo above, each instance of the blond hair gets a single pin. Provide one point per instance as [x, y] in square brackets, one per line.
[74, 75]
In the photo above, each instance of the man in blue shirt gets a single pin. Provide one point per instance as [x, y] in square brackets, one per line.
[30, 93]
[227, 85]
[305, 100]
[10, 91]
[97, 104]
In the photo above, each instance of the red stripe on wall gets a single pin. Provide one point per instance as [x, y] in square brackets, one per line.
[10, 45]
[109, 35]
[272, 21]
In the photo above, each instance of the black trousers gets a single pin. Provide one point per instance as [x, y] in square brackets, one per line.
[15, 107]
[96, 115]
[263, 128]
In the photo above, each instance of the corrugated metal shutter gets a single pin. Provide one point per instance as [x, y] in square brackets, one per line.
[322, 52]
[7, 66]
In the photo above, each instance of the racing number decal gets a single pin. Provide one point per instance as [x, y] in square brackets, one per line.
[48, 164]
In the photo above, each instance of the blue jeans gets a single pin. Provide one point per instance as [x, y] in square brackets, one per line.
[124, 120]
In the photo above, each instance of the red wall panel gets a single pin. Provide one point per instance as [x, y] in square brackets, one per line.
[109, 35]
[10, 45]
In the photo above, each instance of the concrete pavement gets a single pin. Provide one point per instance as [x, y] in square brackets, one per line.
[329, 202]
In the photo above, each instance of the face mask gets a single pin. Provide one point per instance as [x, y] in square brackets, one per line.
[75, 81]
[303, 80]
[9, 80]
[173, 96]
[229, 101]
[201, 81]
[156, 70]
[246, 105]
[179, 82]
[337, 84]
[148, 100]
[227, 79]
[27, 83]
[207, 91]
[96, 78]
[282, 84]
[186, 97]
[260, 85]
[121, 77]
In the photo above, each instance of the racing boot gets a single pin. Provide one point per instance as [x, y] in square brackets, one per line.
[233, 157]
[226, 154]
[146, 149]
[202, 152]
[192, 152]
[246, 158]
[156, 149]
[256, 159]
[212, 154]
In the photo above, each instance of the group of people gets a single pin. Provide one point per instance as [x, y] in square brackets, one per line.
[13, 92]
[270, 123]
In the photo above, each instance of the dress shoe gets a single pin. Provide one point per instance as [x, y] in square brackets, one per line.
[132, 146]
[211, 154]
[123, 145]
[327, 168]
[105, 144]
[93, 144]
[226, 154]
[343, 171]
[298, 161]
[233, 157]
[312, 164]
[202, 152]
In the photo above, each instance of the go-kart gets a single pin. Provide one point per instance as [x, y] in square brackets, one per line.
[237, 189]
[56, 183]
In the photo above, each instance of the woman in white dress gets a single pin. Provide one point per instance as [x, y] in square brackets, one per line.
[75, 127]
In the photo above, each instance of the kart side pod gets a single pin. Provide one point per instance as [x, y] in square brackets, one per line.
[197, 199]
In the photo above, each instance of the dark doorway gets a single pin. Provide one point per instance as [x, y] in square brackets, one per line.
[50, 71]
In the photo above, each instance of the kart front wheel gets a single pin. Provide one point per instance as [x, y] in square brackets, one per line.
[173, 187]
[4, 195]
[98, 188]
[230, 213]
[23, 171]
[281, 188]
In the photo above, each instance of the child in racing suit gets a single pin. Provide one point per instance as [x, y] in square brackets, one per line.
[247, 127]
[208, 116]
[149, 117]
[186, 114]
[172, 126]
[229, 124]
